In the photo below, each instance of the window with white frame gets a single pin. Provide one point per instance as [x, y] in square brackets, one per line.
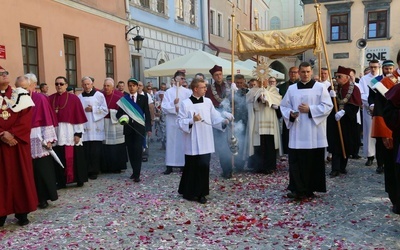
[145, 3]
[192, 12]
[161, 6]
[180, 10]
[212, 22]
[219, 24]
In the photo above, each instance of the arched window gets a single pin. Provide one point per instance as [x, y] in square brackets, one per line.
[275, 23]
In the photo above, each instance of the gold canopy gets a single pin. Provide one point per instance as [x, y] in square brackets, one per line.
[278, 43]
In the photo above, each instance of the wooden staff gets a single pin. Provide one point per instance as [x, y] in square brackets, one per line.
[232, 74]
[317, 9]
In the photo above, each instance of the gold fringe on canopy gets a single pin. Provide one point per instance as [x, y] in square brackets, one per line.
[278, 43]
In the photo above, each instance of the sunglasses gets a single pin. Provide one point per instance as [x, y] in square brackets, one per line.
[4, 73]
[59, 84]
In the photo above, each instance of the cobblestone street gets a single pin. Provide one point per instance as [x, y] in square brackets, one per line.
[249, 211]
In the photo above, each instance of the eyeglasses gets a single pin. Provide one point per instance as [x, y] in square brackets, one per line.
[340, 76]
[4, 73]
[59, 84]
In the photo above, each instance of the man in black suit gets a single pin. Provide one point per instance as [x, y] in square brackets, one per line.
[135, 106]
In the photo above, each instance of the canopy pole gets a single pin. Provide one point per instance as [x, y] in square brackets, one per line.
[317, 9]
[233, 75]
[256, 27]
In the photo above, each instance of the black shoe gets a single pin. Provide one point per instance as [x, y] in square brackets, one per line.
[168, 170]
[23, 222]
[202, 200]
[356, 157]
[189, 198]
[369, 161]
[379, 169]
[79, 184]
[291, 195]
[61, 186]
[93, 176]
[43, 204]
[136, 179]
[22, 219]
[131, 177]
[144, 160]
[226, 176]
[181, 170]
[343, 171]
[2, 220]
[310, 195]
[333, 174]
[395, 209]
[116, 171]
[296, 196]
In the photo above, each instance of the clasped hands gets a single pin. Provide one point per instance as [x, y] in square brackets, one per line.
[302, 108]
[89, 108]
[8, 138]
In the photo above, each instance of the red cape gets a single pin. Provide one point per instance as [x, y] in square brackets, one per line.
[70, 109]
[43, 114]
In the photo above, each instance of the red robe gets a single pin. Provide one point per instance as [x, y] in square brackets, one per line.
[112, 100]
[17, 184]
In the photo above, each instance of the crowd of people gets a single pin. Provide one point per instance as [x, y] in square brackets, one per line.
[49, 141]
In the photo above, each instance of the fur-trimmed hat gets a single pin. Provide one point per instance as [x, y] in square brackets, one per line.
[215, 69]
[343, 70]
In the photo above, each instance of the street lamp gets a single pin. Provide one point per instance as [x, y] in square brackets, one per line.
[137, 40]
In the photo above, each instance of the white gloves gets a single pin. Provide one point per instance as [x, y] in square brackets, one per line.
[339, 115]
[274, 106]
[228, 115]
[332, 93]
[233, 86]
[371, 108]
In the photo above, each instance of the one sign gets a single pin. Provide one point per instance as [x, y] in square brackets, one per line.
[2, 52]
[377, 53]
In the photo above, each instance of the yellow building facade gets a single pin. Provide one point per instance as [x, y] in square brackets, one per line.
[346, 23]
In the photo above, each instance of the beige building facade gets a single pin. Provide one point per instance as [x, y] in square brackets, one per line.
[344, 23]
[269, 14]
[220, 24]
[53, 38]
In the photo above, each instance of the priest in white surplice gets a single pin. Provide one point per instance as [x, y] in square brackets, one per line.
[197, 117]
[95, 106]
[305, 109]
[368, 141]
[174, 152]
[265, 125]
